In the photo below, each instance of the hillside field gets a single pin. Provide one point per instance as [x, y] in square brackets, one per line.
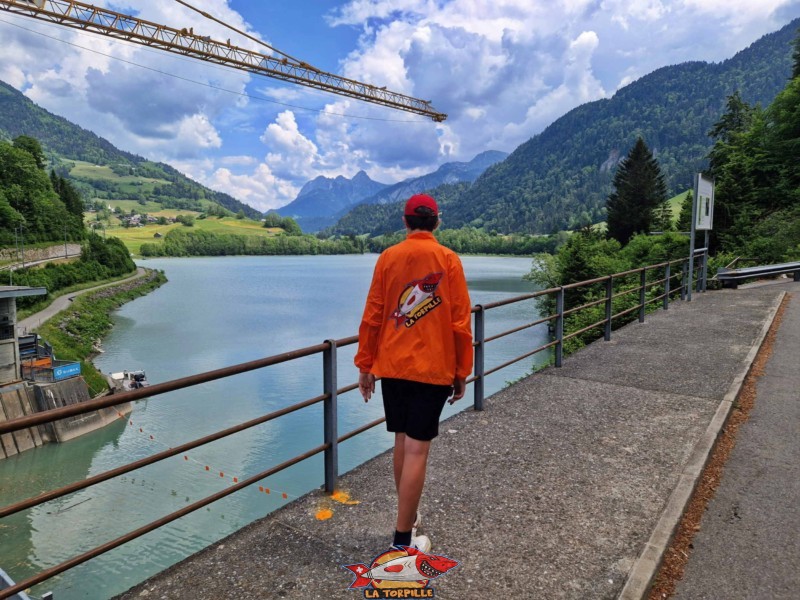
[134, 237]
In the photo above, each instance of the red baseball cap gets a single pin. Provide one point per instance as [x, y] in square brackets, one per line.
[421, 205]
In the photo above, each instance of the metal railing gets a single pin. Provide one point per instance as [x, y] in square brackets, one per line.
[559, 296]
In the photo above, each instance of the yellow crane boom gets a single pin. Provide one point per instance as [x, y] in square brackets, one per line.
[188, 43]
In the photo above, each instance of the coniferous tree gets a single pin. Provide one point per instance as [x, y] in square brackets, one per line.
[32, 147]
[639, 187]
[796, 56]
[662, 217]
[685, 218]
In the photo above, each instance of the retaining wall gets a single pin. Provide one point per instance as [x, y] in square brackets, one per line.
[33, 254]
[23, 399]
[17, 401]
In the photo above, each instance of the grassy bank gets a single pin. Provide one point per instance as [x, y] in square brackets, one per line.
[74, 332]
[26, 312]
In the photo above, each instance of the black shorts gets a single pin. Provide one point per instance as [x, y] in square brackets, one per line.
[413, 407]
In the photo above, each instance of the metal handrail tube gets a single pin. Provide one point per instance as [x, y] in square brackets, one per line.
[110, 474]
[82, 558]
[154, 390]
[585, 329]
[625, 292]
[585, 283]
[661, 264]
[362, 429]
[519, 298]
[625, 312]
[346, 341]
[347, 388]
[582, 306]
[519, 358]
[521, 328]
[631, 272]
[661, 297]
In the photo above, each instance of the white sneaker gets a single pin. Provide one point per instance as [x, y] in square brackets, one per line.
[417, 523]
[421, 543]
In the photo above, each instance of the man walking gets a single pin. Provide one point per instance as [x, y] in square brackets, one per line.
[415, 336]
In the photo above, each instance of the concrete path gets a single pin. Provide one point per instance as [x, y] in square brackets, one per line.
[35, 320]
[749, 542]
[561, 488]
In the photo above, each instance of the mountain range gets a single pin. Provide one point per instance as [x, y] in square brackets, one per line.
[322, 201]
[560, 178]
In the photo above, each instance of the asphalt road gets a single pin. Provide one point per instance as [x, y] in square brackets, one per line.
[748, 545]
[35, 320]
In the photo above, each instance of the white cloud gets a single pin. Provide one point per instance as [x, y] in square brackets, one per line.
[501, 69]
[260, 188]
[290, 155]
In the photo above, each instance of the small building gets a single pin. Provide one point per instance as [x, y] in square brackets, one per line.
[9, 349]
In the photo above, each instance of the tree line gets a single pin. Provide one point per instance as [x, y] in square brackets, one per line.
[100, 259]
[182, 242]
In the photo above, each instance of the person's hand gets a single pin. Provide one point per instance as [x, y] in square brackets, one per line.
[459, 388]
[366, 385]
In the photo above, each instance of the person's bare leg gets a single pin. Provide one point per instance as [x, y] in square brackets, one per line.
[411, 481]
[399, 452]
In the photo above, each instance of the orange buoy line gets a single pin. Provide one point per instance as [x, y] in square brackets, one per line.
[207, 468]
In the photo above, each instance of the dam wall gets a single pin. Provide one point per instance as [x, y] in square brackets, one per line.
[21, 399]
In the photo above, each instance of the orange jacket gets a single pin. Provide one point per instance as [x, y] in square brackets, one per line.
[417, 320]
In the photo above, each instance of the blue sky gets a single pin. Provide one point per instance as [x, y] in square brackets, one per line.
[501, 69]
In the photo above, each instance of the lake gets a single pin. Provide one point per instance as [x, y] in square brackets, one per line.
[217, 312]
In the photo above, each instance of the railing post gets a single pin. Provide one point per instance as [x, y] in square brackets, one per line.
[559, 326]
[667, 277]
[642, 292]
[609, 308]
[699, 284]
[330, 416]
[683, 281]
[480, 336]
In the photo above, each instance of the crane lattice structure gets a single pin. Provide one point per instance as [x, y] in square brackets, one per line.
[187, 43]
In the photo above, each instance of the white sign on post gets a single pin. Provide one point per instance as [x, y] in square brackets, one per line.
[704, 216]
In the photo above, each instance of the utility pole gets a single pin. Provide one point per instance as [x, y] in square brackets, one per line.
[22, 243]
[65, 240]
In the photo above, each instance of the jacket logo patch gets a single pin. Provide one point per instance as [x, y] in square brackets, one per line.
[417, 299]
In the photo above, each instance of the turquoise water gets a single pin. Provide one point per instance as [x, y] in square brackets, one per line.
[216, 312]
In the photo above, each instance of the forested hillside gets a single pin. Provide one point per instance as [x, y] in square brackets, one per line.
[35, 206]
[560, 178]
[64, 143]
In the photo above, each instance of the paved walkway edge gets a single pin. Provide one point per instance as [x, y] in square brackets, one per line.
[646, 566]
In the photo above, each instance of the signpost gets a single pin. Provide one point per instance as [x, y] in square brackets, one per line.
[702, 220]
